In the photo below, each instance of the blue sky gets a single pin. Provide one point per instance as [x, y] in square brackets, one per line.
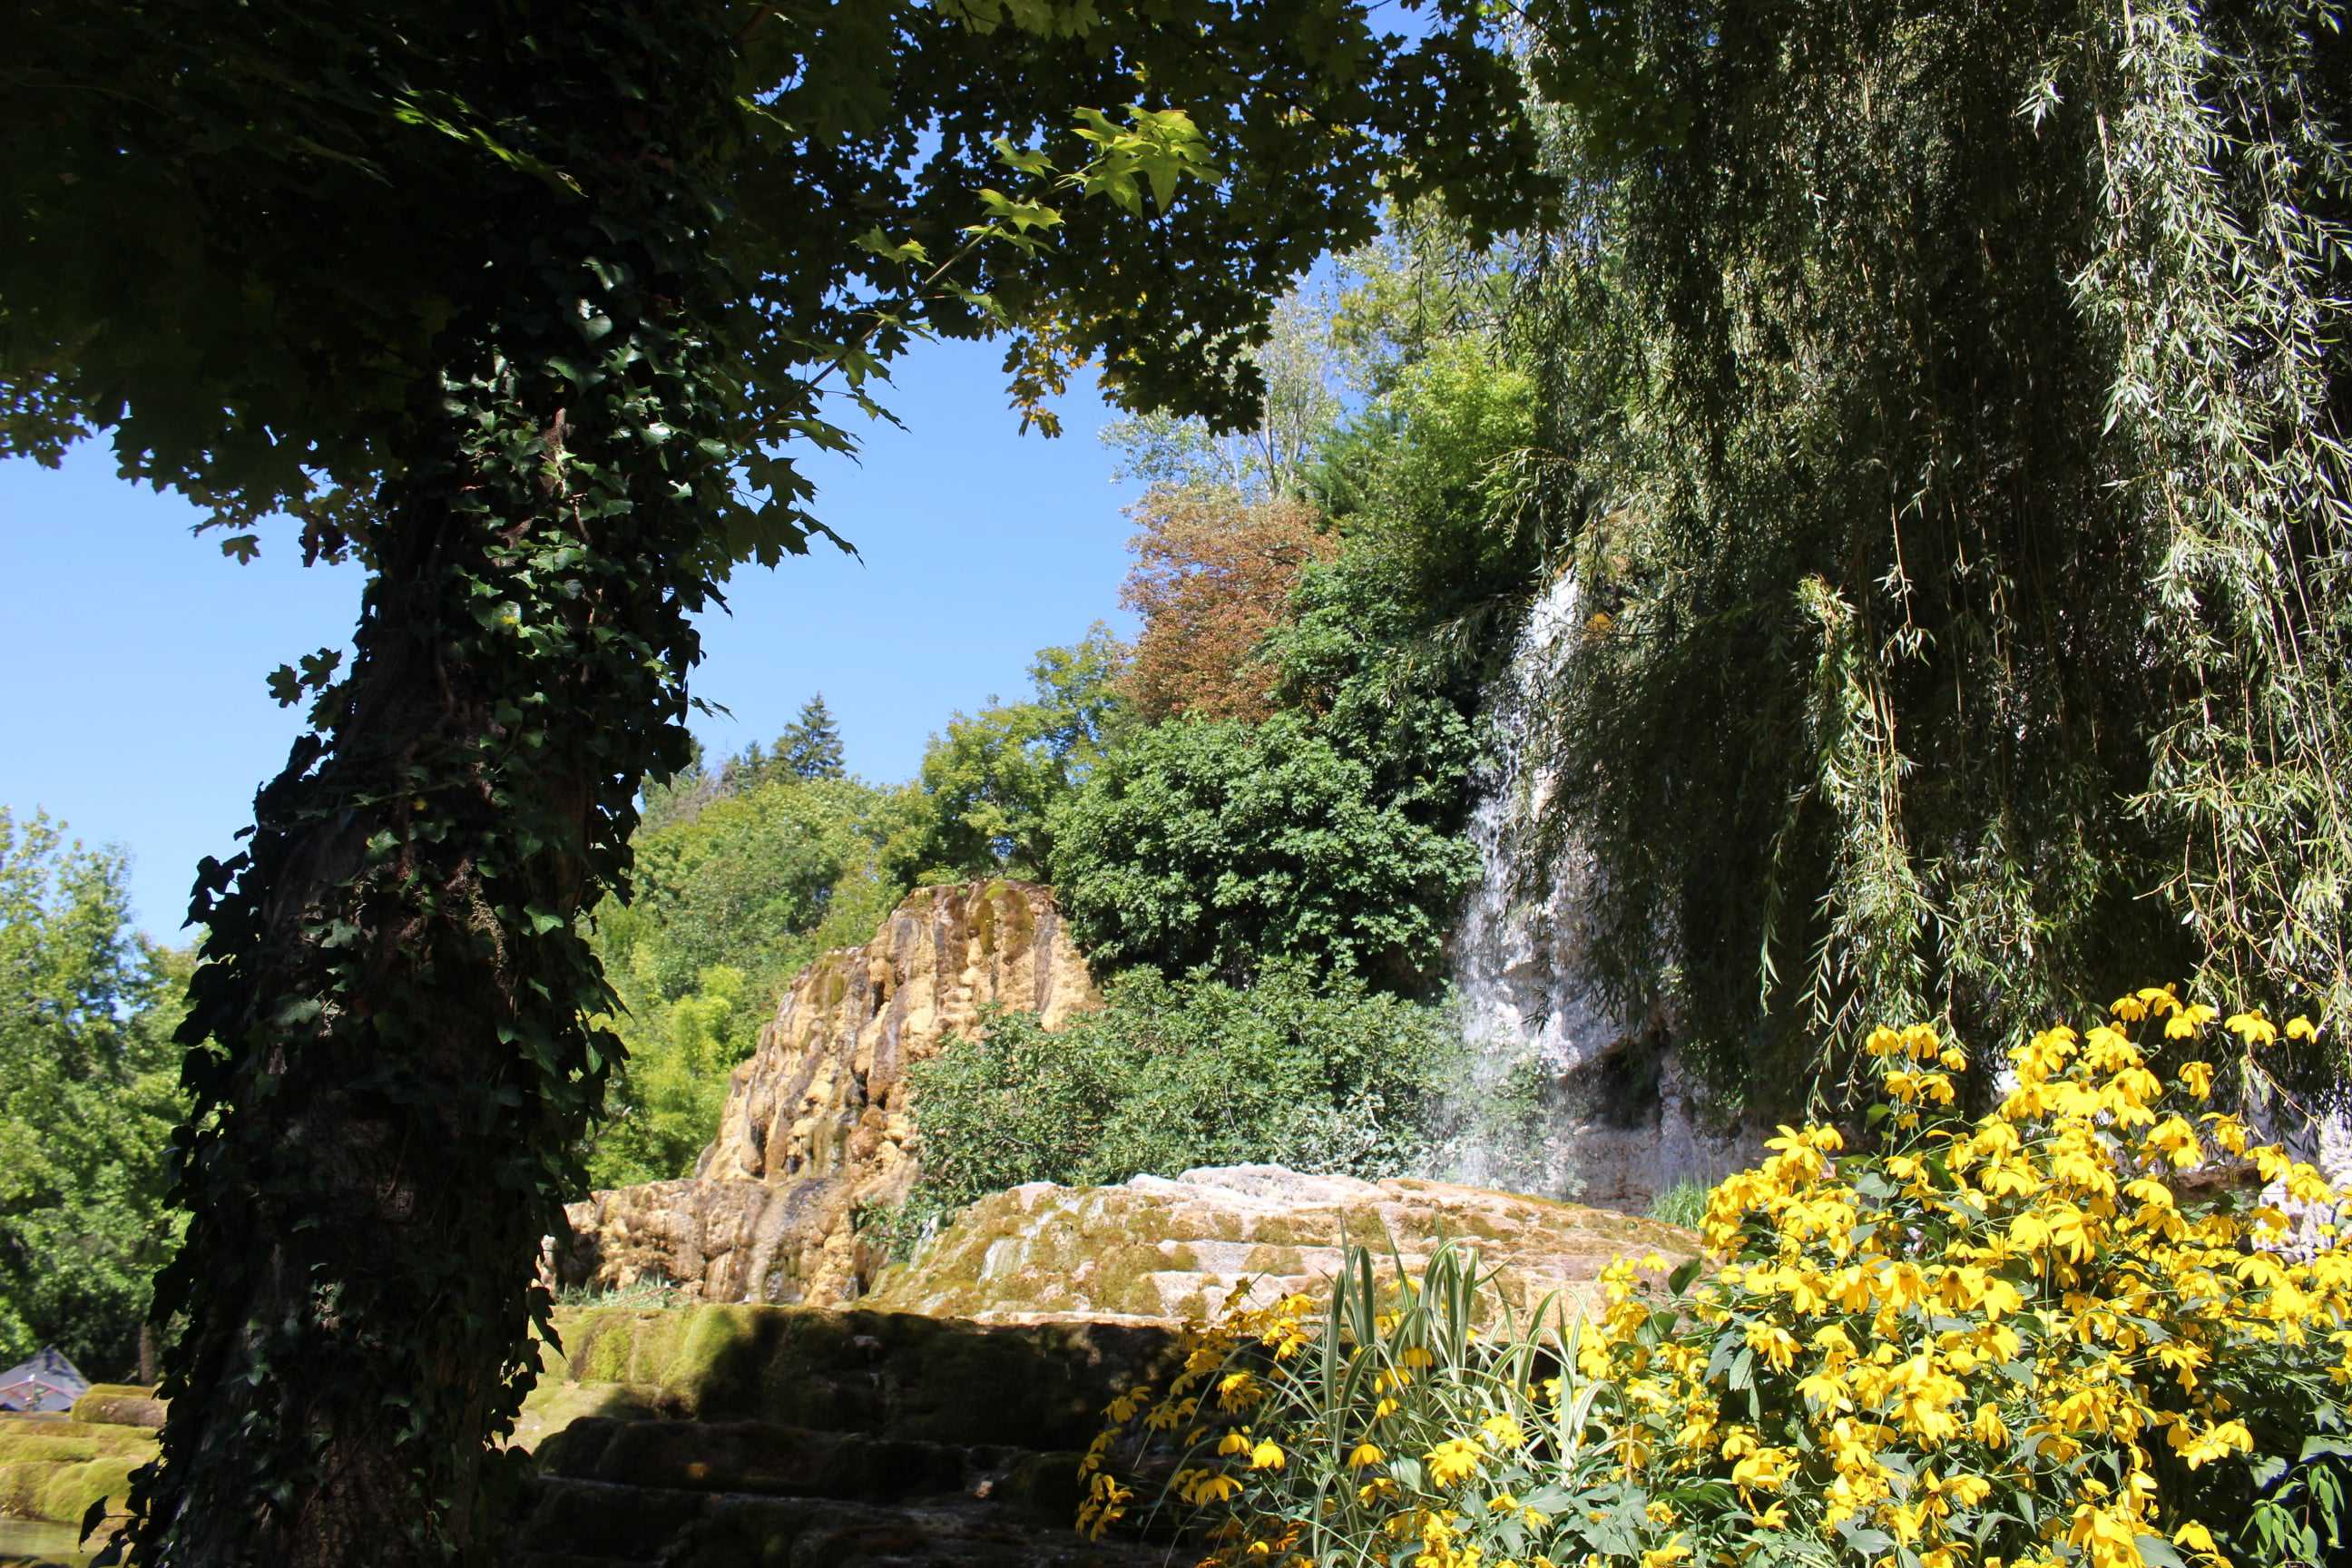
[132, 655]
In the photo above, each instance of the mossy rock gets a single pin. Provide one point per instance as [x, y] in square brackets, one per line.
[64, 1494]
[1162, 1251]
[119, 1404]
[71, 1442]
[21, 1481]
[888, 1373]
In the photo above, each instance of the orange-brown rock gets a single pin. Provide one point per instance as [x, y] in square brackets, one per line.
[818, 1123]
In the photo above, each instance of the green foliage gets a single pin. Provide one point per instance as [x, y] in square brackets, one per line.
[731, 903]
[1267, 460]
[810, 747]
[990, 784]
[750, 881]
[1957, 403]
[1170, 1074]
[89, 1095]
[664, 1104]
[1684, 1203]
[1354, 659]
[531, 308]
[1222, 845]
[1430, 476]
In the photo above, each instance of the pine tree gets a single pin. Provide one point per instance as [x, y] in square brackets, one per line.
[810, 748]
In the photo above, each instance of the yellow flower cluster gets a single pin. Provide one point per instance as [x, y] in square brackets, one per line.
[1999, 1347]
[2014, 1341]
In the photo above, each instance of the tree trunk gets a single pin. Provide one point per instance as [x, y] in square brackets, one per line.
[387, 1048]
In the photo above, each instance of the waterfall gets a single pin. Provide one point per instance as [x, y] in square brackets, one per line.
[1519, 965]
[1560, 1094]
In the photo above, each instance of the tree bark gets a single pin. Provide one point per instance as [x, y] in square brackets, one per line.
[389, 1063]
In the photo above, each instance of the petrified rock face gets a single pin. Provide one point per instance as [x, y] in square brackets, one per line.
[818, 1123]
[1155, 1250]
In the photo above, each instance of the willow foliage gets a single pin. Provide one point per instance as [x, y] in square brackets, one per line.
[1956, 399]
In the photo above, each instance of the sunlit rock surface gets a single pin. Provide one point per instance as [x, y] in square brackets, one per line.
[1154, 1250]
[818, 1124]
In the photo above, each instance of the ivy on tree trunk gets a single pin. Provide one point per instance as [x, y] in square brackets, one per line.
[388, 1050]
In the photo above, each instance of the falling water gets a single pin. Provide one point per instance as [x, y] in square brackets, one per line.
[1518, 961]
[1561, 1093]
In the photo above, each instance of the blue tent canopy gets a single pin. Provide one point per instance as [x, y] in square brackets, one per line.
[47, 1382]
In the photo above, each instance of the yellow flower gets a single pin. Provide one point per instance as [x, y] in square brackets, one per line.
[1239, 1391]
[2252, 1028]
[2301, 1028]
[2189, 1020]
[1453, 1461]
[1267, 1456]
[1672, 1551]
[2196, 1538]
[1503, 1432]
[1364, 1454]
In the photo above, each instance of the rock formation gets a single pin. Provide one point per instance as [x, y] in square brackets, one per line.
[939, 1424]
[1157, 1251]
[817, 1123]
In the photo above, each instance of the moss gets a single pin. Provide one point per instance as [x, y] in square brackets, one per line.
[70, 1489]
[654, 1340]
[54, 1441]
[40, 1448]
[712, 1350]
[1282, 1230]
[601, 1355]
[552, 1407]
[21, 1481]
[1278, 1260]
[831, 980]
[119, 1404]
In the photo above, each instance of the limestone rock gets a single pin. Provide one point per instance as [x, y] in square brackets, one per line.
[817, 1123]
[1156, 1250]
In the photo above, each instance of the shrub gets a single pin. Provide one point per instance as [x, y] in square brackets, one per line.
[1221, 844]
[2009, 1341]
[1175, 1074]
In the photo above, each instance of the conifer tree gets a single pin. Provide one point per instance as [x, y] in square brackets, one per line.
[810, 747]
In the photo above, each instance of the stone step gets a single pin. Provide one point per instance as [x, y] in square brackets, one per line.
[580, 1523]
[772, 1460]
[888, 1375]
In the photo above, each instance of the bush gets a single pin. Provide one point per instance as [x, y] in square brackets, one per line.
[1219, 845]
[2010, 1340]
[1175, 1074]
